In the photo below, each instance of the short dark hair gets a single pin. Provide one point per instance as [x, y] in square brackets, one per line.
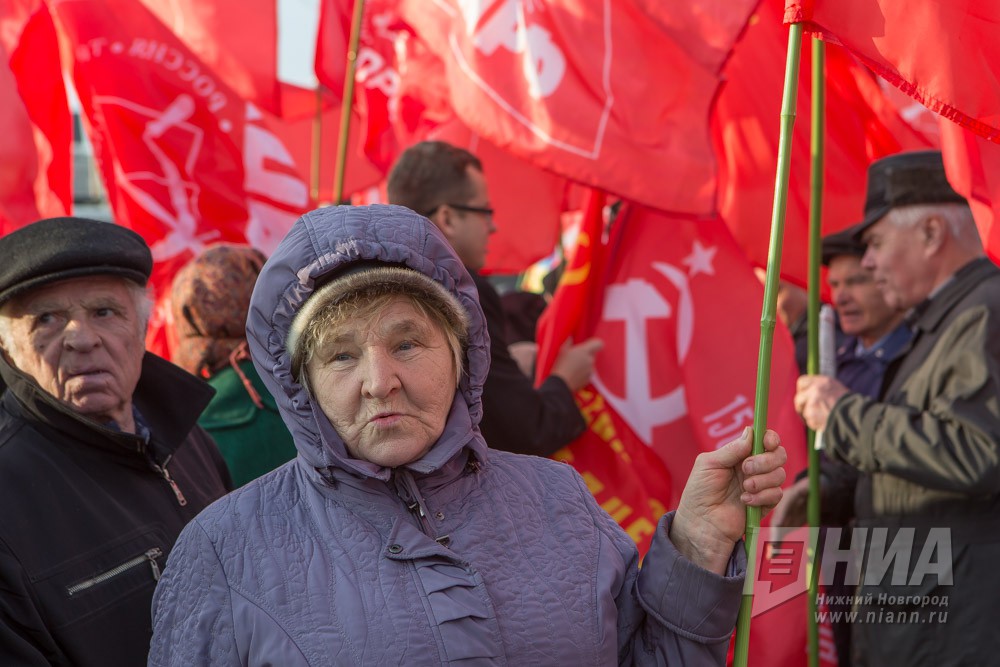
[429, 174]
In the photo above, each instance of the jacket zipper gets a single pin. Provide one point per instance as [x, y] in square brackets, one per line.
[150, 556]
[165, 474]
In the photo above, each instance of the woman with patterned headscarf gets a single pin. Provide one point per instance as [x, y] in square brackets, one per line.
[209, 301]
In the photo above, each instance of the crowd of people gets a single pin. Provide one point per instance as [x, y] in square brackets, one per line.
[346, 462]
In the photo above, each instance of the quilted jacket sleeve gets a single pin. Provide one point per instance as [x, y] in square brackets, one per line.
[672, 612]
[192, 607]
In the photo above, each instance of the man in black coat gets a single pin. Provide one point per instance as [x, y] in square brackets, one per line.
[446, 184]
[101, 460]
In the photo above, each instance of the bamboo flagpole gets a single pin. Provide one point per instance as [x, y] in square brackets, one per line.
[345, 104]
[816, 178]
[767, 324]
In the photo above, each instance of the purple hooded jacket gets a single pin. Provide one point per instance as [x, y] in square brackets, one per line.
[467, 556]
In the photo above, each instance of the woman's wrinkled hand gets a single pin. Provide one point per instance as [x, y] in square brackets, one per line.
[711, 515]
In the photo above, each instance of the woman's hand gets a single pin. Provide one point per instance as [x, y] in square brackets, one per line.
[711, 515]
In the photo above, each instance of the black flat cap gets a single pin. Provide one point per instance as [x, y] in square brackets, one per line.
[904, 179]
[844, 242]
[59, 248]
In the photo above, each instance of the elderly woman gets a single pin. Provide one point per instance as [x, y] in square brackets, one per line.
[396, 536]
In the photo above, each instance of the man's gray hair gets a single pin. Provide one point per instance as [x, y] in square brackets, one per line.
[958, 219]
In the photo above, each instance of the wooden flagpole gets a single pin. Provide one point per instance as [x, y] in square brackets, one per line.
[346, 102]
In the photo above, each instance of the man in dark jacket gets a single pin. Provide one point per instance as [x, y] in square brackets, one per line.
[928, 446]
[446, 184]
[101, 461]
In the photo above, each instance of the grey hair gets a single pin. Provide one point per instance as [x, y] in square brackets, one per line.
[141, 299]
[957, 217]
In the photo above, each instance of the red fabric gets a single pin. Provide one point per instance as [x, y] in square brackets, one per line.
[571, 311]
[625, 475]
[185, 161]
[35, 123]
[685, 284]
[671, 372]
[973, 167]
[862, 122]
[943, 54]
[238, 41]
[555, 83]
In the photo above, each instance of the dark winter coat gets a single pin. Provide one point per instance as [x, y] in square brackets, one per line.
[89, 515]
[544, 419]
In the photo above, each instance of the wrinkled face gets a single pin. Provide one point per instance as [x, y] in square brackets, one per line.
[895, 256]
[82, 342]
[469, 231]
[858, 301]
[386, 384]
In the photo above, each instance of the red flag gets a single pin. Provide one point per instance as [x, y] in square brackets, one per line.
[625, 475]
[863, 124]
[34, 118]
[571, 312]
[943, 54]
[555, 83]
[238, 40]
[677, 292]
[973, 167]
[185, 161]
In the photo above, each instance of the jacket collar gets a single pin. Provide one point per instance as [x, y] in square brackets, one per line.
[169, 398]
[928, 315]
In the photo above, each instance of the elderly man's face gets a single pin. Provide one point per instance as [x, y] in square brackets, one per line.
[895, 256]
[82, 341]
[386, 384]
[857, 299]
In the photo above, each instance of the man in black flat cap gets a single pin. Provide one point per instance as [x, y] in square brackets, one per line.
[101, 460]
[928, 446]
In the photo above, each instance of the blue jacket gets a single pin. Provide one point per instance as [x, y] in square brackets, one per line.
[466, 556]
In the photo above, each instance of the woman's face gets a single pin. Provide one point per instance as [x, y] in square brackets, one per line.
[386, 383]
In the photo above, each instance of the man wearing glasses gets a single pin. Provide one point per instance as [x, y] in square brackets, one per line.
[447, 184]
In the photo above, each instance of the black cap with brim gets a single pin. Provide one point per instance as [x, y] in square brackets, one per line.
[844, 242]
[58, 249]
[905, 179]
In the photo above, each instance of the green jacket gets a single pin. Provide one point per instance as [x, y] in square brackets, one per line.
[252, 440]
[929, 453]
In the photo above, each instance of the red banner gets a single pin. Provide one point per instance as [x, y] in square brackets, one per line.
[863, 123]
[35, 123]
[625, 475]
[238, 41]
[973, 167]
[555, 83]
[943, 54]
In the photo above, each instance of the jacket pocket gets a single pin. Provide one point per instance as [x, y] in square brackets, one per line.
[115, 580]
[146, 559]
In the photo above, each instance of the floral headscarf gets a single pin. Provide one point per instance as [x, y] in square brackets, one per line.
[210, 298]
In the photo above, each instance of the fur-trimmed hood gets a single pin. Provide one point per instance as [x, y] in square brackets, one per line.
[325, 241]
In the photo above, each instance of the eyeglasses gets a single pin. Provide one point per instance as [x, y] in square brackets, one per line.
[462, 207]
